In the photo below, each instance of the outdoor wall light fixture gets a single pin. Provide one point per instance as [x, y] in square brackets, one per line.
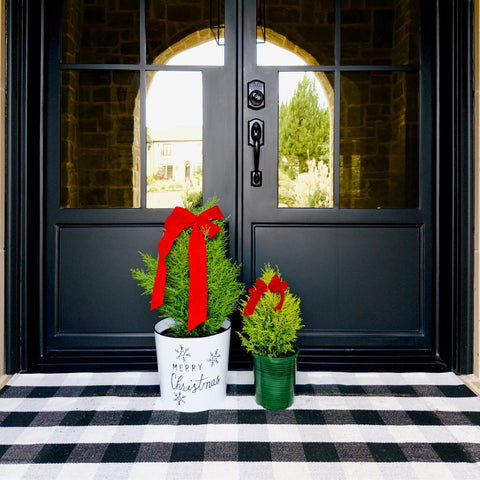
[217, 21]
[261, 37]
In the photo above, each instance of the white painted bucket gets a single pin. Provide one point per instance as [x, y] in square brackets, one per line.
[193, 371]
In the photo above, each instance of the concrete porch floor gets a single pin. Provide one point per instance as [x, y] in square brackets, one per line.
[472, 382]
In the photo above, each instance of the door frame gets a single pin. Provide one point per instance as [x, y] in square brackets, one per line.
[452, 131]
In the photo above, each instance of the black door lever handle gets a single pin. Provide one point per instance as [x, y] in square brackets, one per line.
[256, 140]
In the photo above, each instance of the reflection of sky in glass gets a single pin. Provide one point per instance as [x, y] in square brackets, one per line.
[175, 98]
[208, 53]
[269, 54]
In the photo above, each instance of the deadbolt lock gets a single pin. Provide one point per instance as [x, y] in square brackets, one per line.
[256, 94]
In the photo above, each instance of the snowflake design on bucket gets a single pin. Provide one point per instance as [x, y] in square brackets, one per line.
[182, 353]
[213, 359]
[179, 398]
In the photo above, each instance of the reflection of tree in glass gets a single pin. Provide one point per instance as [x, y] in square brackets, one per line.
[304, 128]
[304, 149]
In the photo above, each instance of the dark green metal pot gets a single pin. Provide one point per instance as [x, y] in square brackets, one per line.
[275, 380]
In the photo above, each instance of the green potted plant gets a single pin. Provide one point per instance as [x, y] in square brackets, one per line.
[195, 288]
[271, 319]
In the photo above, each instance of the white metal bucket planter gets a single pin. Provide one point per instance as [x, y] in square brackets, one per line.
[193, 371]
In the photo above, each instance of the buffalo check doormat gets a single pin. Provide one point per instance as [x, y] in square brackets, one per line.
[387, 426]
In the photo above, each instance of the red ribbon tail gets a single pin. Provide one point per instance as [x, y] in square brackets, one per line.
[197, 302]
[250, 306]
[177, 221]
[255, 294]
[280, 303]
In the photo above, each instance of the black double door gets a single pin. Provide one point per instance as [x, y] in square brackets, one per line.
[346, 213]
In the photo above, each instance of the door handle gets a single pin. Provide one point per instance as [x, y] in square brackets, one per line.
[255, 139]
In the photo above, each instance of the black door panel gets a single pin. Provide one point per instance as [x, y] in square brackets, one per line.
[359, 286]
[362, 262]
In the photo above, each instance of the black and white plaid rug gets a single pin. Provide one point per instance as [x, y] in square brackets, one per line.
[386, 426]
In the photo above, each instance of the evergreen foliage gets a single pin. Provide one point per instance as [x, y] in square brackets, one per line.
[268, 332]
[304, 130]
[223, 287]
[192, 199]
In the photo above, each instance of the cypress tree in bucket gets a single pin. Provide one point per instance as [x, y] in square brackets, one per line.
[271, 319]
[195, 285]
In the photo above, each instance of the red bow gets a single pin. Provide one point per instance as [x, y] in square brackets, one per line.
[179, 220]
[275, 285]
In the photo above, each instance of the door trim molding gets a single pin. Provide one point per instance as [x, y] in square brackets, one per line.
[24, 203]
[455, 188]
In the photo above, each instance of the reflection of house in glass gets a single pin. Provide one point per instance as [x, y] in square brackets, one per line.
[175, 155]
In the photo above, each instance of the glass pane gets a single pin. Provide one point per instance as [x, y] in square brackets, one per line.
[379, 140]
[174, 138]
[305, 139]
[380, 33]
[100, 32]
[304, 28]
[100, 147]
[271, 54]
[173, 27]
[205, 54]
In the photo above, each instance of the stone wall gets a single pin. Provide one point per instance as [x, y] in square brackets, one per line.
[379, 32]
[378, 115]
[100, 31]
[379, 111]
[100, 147]
[100, 117]
[379, 122]
[100, 137]
[310, 25]
[169, 22]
